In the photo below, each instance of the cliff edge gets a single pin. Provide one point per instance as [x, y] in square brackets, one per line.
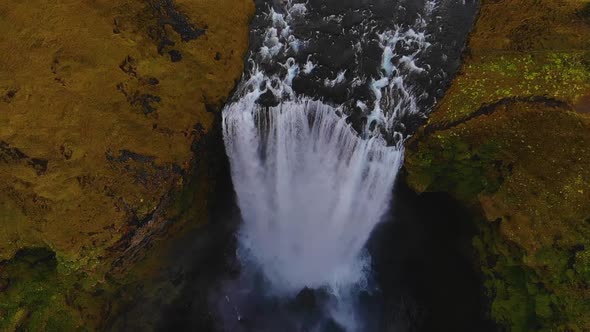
[101, 106]
[511, 140]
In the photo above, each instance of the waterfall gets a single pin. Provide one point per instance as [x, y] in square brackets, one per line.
[311, 188]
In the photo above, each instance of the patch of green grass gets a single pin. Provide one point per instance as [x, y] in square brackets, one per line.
[490, 78]
[450, 164]
[526, 298]
[36, 297]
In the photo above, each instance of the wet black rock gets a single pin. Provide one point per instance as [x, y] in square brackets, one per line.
[175, 55]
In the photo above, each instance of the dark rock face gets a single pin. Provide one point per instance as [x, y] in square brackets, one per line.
[190, 264]
[424, 263]
[167, 14]
[10, 154]
[175, 55]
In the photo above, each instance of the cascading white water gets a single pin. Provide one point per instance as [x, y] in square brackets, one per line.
[310, 189]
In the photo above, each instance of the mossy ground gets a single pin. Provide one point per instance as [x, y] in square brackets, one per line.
[91, 94]
[512, 139]
[36, 297]
[101, 105]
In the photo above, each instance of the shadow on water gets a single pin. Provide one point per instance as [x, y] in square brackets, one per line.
[423, 261]
[173, 296]
[206, 256]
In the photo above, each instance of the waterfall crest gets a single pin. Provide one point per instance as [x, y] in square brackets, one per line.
[310, 188]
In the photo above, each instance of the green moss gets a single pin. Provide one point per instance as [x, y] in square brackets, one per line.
[582, 264]
[506, 280]
[492, 77]
[449, 164]
[36, 297]
[32, 289]
[540, 297]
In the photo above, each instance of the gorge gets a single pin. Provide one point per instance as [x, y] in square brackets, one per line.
[315, 137]
[399, 165]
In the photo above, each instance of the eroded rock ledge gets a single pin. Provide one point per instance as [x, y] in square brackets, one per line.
[511, 139]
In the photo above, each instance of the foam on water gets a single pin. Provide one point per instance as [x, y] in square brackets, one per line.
[339, 79]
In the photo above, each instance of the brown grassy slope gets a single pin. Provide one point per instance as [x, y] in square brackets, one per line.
[97, 121]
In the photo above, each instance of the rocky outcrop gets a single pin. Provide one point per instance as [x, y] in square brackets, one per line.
[511, 140]
[102, 108]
